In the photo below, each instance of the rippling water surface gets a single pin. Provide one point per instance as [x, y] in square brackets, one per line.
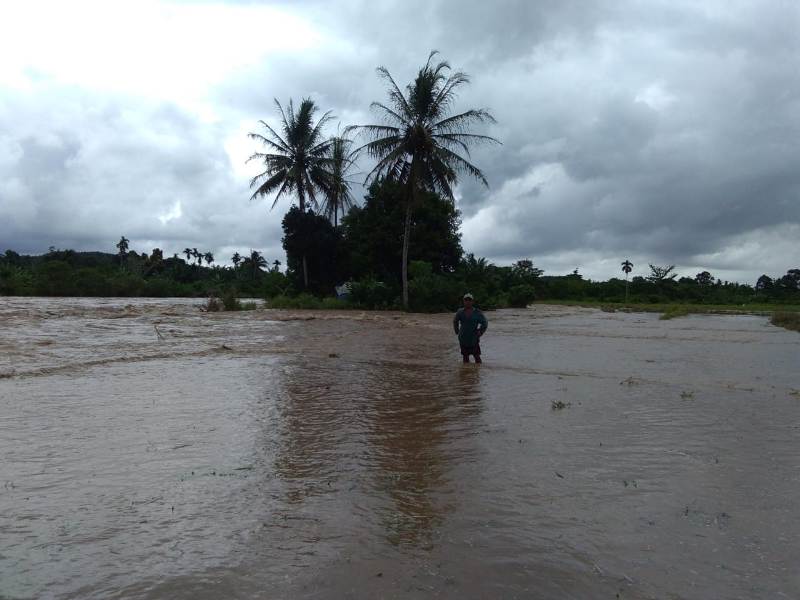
[152, 451]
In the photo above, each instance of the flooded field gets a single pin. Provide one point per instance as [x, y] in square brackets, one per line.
[152, 451]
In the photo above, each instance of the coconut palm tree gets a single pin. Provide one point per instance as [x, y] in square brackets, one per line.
[337, 195]
[297, 158]
[254, 263]
[197, 256]
[236, 259]
[209, 258]
[420, 140]
[627, 267]
[188, 253]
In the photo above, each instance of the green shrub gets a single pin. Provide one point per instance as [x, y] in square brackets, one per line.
[275, 284]
[230, 301]
[369, 293]
[519, 296]
[331, 303]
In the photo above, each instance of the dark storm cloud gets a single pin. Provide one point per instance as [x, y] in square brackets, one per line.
[664, 131]
[93, 171]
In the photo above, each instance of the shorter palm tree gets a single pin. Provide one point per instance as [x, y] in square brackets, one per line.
[236, 259]
[209, 258]
[297, 160]
[296, 163]
[188, 253]
[627, 267]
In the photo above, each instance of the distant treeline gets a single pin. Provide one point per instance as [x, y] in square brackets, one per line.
[363, 252]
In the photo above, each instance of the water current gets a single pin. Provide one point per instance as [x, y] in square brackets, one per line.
[153, 451]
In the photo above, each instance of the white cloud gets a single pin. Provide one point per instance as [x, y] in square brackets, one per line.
[174, 213]
[165, 51]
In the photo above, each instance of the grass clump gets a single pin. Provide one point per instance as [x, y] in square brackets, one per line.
[228, 302]
[674, 311]
[787, 320]
[212, 305]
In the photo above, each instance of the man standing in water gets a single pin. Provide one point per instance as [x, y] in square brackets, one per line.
[470, 324]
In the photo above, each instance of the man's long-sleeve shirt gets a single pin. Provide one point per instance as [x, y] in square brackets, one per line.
[466, 326]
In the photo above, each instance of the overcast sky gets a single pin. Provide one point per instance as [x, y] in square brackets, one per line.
[663, 132]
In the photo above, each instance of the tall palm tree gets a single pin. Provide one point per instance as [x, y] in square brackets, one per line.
[297, 157]
[197, 256]
[188, 253]
[337, 195]
[236, 259]
[627, 267]
[419, 142]
[209, 258]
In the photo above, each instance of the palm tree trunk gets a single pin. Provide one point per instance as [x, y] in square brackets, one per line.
[406, 239]
[412, 194]
[302, 202]
[626, 288]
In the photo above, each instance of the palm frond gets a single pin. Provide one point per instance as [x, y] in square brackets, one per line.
[284, 121]
[447, 93]
[278, 139]
[269, 186]
[459, 163]
[400, 119]
[395, 95]
[458, 123]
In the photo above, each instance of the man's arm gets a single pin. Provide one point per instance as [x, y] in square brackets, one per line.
[484, 323]
[455, 323]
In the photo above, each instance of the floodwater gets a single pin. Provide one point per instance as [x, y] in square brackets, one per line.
[152, 451]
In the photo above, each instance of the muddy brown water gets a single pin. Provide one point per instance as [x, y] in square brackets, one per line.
[274, 454]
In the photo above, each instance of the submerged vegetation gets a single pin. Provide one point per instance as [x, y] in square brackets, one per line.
[788, 320]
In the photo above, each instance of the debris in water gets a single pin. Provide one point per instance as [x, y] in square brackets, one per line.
[559, 404]
[333, 355]
[558, 474]
[687, 395]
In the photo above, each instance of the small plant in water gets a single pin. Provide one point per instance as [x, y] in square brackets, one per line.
[212, 305]
[559, 405]
[673, 312]
[789, 320]
[687, 395]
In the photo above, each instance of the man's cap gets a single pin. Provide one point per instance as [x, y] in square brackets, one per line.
[468, 296]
